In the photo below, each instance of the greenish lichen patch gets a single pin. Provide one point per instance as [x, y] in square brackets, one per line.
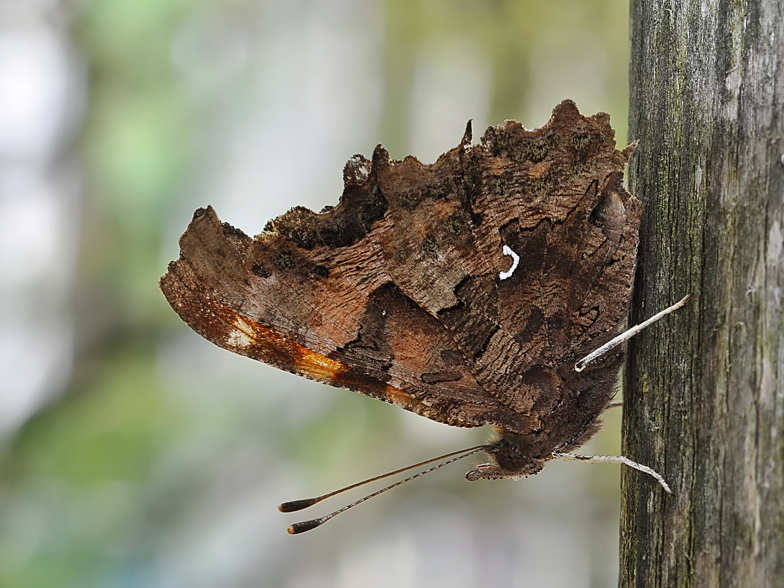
[284, 260]
[454, 225]
[431, 247]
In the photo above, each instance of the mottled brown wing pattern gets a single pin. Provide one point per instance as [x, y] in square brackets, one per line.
[396, 292]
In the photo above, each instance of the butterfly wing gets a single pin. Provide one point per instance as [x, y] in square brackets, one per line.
[396, 292]
[318, 323]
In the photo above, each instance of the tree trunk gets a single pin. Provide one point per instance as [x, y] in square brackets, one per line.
[704, 393]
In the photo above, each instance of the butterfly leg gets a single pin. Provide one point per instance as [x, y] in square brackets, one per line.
[490, 471]
[580, 365]
[615, 459]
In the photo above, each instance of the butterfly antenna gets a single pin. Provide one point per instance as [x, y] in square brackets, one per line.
[296, 505]
[628, 334]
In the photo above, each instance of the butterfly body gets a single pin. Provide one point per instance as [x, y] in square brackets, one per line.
[406, 291]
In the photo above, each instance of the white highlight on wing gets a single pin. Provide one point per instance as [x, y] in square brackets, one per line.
[238, 336]
[515, 261]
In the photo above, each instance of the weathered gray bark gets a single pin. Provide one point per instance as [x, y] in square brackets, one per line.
[704, 396]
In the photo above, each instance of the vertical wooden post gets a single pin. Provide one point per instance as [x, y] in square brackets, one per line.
[704, 392]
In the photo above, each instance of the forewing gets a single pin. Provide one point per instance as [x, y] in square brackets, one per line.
[396, 293]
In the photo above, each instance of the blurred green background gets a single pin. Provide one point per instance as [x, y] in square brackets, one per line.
[132, 452]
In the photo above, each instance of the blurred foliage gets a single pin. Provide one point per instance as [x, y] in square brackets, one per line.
[506, 30]
[85, 498]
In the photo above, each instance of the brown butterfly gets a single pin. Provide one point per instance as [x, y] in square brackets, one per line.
[464, 291]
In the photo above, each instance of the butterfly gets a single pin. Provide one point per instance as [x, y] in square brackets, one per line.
[464, 291]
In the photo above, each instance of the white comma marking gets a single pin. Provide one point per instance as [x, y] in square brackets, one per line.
[515, 261]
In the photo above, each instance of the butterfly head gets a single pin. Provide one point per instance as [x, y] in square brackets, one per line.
[513, 457]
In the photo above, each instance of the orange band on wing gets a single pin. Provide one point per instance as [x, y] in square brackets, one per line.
[250, 338]
[256, 341]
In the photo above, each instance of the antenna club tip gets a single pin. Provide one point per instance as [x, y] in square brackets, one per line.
[296, 505]
[298, 528]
